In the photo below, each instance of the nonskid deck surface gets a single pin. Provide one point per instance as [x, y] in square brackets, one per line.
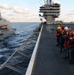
[49, 60]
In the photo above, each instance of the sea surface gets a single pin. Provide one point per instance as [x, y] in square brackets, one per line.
[23, 31]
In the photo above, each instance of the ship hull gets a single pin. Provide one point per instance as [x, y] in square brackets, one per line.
[7, 33]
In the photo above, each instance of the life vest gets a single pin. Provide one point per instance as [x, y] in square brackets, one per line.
[58, 33]
[62, 27]
[66, 44]
[71, 39]
[65, 32]
[66, 39]
[70, 42]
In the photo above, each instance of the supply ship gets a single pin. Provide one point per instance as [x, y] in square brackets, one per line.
[5, 28]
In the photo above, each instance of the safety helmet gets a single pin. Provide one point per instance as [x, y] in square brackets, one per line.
[66, 28]
[58, 27]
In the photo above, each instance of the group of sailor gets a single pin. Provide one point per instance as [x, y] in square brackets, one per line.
[65, 41]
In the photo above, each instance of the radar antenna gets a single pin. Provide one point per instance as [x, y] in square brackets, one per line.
[50, 2]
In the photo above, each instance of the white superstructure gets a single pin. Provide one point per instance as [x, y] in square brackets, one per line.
[50, 11]
[5, 28]
[4, 22]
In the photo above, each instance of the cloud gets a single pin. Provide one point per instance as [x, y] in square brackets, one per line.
[2, 11]
[15, 13]
[66, 17]
[15, 9]
[5, 6]
[70, 14]
[21, 11]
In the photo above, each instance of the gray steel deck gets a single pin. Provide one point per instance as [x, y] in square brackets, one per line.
[49, 60]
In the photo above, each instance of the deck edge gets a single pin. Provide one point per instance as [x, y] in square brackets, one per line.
[31, 63]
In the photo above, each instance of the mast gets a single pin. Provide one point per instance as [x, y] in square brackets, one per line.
[48, 2]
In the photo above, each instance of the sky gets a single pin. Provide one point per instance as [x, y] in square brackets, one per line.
[67, 10]
[28, 10]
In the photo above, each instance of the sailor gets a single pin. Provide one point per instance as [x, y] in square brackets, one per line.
[58, 35]
[66, 37]
[61, 38]
[70, 45]
[59, 31]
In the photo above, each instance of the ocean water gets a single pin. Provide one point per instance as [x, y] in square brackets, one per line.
[23, 31]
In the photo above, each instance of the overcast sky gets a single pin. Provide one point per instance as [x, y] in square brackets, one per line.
[28, 10]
